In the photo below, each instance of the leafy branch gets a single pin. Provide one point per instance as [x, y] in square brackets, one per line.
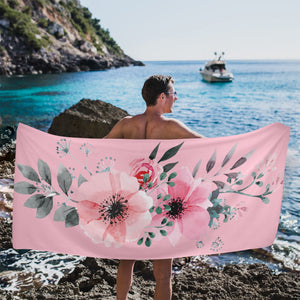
[43, 202]
[148, 235]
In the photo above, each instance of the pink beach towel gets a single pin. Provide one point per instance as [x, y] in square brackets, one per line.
[148, 199]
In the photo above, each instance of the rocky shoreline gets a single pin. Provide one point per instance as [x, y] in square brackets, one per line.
[95, 278]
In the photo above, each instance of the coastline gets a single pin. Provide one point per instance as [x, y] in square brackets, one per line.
[96, 279]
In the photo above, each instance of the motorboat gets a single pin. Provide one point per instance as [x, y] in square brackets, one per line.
[215, 70]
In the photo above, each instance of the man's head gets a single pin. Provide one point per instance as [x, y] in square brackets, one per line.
[154, 86]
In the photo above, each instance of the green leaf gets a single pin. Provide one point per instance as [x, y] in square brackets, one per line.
[167, 197]
[148, 242]
[229, 180]
[154, 152]
[164, 220]
[171, 152]
[163, 232]
[158, 210]
[260, 175]
[72, 218]
[64, 178]
[268, 187]
[159, 196]
[240, 182]
[171, 183]
[146, 177]
[216, 202]
[151, 210]
[140, 241]
[150, 185]
[44, 171]
[167, 207]
[265, 200]
[81, 180]
[24, 187]
[163, 175]
[151, 234]
[170, 166]
[253, 174]
[259, 183]
[29, 173]
[170, 223]
[45, 209]
[172, 175]
[35, 201]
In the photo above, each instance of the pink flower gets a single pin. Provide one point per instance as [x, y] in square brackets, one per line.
[112, 209]
[140, 167]
[188, 202]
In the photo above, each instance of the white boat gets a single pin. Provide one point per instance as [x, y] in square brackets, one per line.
[215, 70]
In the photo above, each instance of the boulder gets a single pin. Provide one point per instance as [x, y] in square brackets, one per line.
[88, 118]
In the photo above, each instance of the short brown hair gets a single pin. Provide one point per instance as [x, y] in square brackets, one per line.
[154, 86]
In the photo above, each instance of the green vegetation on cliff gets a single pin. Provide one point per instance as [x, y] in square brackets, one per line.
[82, 20]
[25, 21]
[21, 25]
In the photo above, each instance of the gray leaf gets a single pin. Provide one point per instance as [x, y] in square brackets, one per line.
[29, 173]
[45, 209]
[211, 162]
[24, 187]
[61, 213]
[44, 171]
[228, 156]
[239, 162]
[242, 160]
[64, 178]
[196, 168]
[35, 201]
[81, 180]
[219, 184]
[72, 218]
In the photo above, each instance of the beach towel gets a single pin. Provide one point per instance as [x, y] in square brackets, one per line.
[148, 199]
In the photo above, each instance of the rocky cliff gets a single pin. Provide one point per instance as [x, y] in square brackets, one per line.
[50, 36]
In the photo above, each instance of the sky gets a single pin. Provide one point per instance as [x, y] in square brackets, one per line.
[195, 29]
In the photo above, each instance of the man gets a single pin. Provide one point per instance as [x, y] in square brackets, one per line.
[159, 94]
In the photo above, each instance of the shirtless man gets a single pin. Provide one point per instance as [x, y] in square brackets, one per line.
[159, 94]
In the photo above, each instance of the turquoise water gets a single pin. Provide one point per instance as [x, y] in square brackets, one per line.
[262, 92]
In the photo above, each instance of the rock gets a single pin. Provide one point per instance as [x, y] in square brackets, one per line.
[7, 151]
[5, 234]
[88, 118]
[95, 278]
[56, 30]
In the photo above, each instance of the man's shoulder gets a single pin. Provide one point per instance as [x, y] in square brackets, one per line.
[174, 123]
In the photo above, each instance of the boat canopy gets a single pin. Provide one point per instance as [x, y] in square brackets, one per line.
[216, 63]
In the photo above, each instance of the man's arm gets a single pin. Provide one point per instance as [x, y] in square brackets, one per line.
[117, 130]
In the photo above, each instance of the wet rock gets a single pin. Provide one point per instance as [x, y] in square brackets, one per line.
[88, 118]
[5, 233]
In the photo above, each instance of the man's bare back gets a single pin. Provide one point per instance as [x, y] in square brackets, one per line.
[150, 125]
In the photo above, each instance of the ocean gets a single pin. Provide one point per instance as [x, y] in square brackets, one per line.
[263, 92]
